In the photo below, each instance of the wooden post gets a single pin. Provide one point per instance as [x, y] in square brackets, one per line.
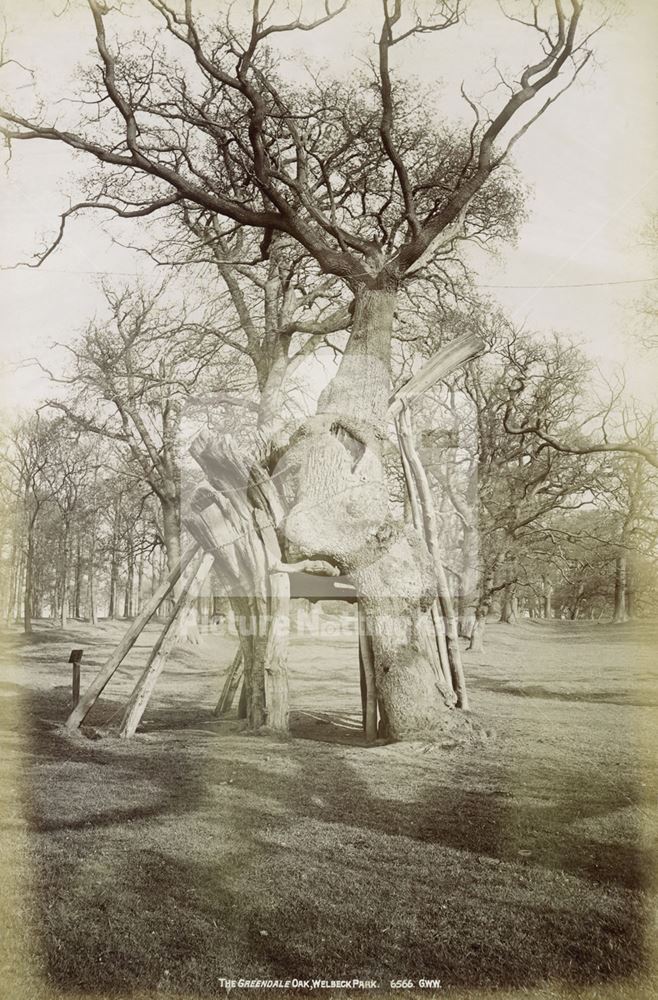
[233, 678]
[143, 690]
[74, 659]
[116, 659]
[242, 701]
[367, 671]
[278, 629]
[276, 653]
[362, 685]
[438, 650]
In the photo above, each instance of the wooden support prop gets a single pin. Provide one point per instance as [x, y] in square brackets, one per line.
[439, 649]
[362, 685]
[114, 662]
[242, 701]
[367, 672]
[278, 629]
[143, 690]
[75, 658]
[420, 484]
[233, 678]
[276, 653]
[439, 630]
[446, 360]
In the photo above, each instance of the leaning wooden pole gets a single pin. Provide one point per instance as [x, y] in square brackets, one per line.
[437, 647]
[446, 360]
[231, 684]
[421, 485]
[143, 690]
[278, 628]
[367, 672]
[116, 659]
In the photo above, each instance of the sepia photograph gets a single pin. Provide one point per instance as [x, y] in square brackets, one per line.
[328, 481]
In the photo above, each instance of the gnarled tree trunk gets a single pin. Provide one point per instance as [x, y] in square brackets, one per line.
[341, 514]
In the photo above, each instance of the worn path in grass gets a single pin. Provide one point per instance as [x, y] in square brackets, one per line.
[522, 863]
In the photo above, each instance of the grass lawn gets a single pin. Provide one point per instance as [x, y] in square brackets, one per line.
[518, 865]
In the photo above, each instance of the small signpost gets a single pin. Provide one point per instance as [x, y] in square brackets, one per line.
[75, 658]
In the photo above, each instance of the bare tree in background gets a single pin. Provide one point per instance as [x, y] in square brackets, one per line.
[28, 456]
[129, 380]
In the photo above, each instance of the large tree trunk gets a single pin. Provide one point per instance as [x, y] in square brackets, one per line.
[620, 613]
[341, 514]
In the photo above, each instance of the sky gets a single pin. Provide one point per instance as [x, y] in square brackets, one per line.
[589, 165]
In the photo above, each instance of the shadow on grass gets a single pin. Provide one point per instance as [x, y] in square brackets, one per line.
[588, 632]
[588, 697]
[172, 862]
